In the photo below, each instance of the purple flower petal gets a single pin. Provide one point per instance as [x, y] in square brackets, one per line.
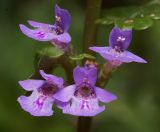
[111, 54]
[37, 104]
[63, 18]
[120, 38]
[65, 94]
[83, 107]
[62, 40]
[52, 79]
[82, 74]
[31, 84]
[104, 95]
[130, 57]
[40, 34]
[38, 24]
[100, 49]
[61, 105]
[104, 52]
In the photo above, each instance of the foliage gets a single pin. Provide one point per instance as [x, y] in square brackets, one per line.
[136, 17]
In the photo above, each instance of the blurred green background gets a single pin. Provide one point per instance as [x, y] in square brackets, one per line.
[136, 85]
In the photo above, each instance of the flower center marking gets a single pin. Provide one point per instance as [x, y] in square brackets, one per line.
[58, 19]
[48, 89]
[85, 92]
[115, 51]
[40, 34]
[85, 104]
[121, 39]
[39, 102]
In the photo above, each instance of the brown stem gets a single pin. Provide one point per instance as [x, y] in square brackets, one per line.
[92, 14]
[84, 124]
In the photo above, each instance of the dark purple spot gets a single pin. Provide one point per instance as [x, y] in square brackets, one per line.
[59, 30]
[85, 92]
[40, 101]
[40, 34]
[48, 89]
[85, 104]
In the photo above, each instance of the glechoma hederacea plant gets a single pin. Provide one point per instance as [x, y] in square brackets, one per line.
[80, 97]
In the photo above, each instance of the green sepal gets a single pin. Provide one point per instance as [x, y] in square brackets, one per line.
[81, 57]
[52, 52]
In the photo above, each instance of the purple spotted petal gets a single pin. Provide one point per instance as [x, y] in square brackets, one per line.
[40, 34]
[37, 104]
[104, 96]
[31, 84]
[81, 107]
[52, 79]
[120, 38]
[83, 74]
[65, 94]
[111, 54]
[62, 40]
[63, 18]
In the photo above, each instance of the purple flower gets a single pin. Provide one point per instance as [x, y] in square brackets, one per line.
[40, 102]
[84, 96]
[57, 34]
[116, 53]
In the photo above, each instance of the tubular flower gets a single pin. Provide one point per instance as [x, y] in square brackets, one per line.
[57, 33]
[84, 96]
[40, 102]
[116, 53]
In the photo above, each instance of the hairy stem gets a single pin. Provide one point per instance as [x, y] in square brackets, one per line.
[92, 14]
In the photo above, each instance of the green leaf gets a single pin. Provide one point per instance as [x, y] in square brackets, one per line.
[82, 56]
[152, 11]
[51, 52]
[136, 17]
[136, 23]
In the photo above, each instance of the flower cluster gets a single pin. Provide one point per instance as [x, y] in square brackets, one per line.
[81, 98]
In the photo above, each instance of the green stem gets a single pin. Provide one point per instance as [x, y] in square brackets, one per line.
[90, 30]
[48, 64]
[105, 73]
[92, 14]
